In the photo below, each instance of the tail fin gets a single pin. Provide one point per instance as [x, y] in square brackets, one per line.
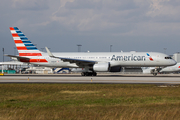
[23, 45]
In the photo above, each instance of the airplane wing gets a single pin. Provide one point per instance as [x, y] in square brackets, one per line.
[79, 62]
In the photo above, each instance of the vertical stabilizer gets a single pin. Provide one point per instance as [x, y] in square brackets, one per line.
[24, 46]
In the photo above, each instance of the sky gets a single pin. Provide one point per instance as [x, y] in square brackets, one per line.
[127, 25]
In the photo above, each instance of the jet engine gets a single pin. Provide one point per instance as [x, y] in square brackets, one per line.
[101, 67]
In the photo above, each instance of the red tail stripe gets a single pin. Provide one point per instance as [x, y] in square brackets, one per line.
[21, 48]
[30, 54]
[33, 60]
[11, 28]
[15, 35]
[18, 41]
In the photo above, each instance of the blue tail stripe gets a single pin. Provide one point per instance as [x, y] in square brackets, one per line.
[29, 45]
[15, 28]
[24, 38]
[21, 35]
[26, 41]
[19, 32]
[33, 47]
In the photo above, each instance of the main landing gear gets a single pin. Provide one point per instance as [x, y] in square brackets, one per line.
[154, 74]
[88, 74]
[155, 71]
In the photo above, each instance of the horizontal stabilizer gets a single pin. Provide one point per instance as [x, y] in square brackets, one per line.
[18, 57]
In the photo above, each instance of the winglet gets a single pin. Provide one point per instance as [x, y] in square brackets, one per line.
[49, 53]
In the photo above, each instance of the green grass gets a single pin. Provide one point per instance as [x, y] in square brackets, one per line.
[88, 101]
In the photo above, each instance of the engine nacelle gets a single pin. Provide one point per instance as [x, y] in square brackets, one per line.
[101, 67]
[115, 69]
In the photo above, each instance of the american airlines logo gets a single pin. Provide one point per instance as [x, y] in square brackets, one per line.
[150, 58]
[128, 58]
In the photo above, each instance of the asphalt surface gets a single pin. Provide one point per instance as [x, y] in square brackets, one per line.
[101, 78]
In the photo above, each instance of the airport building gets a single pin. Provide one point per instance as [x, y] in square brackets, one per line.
[176, 57]
[15, 67]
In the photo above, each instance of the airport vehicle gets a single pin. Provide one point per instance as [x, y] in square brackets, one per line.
[92, 62]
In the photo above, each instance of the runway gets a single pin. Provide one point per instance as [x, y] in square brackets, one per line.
[101, 79]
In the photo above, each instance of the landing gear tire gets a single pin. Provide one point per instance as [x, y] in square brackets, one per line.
[94, 74]
[154, 74]
[88, 74]
[155, 71]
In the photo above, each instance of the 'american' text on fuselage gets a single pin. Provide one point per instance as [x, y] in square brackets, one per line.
[128, 58]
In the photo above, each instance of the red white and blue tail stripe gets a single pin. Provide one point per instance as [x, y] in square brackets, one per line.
[24, 46]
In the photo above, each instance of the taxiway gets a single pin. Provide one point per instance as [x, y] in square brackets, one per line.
[101, 79]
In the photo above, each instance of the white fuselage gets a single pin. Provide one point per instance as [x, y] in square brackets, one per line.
[124, 59]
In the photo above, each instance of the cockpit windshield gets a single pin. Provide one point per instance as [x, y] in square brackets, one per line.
[168, 58]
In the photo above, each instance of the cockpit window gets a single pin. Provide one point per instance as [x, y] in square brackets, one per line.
[168, 58]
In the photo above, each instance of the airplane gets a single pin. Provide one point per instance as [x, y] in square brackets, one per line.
[174, 68]
[169, 69]
[92, 62]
